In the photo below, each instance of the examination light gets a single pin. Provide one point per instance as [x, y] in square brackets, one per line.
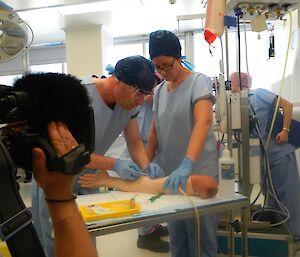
[16, 36]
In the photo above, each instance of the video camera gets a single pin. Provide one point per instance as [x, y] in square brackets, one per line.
[25, 111]
[19, 134]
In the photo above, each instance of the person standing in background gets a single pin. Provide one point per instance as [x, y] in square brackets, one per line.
[282, 158]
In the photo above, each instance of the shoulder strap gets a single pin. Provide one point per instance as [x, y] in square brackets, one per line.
[16, 227]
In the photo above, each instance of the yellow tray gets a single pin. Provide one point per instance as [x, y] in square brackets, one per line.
[108, 210]
[4, 250]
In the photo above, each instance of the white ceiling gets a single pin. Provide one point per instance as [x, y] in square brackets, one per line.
[121, 17]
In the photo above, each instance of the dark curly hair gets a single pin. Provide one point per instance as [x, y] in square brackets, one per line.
[56, 97]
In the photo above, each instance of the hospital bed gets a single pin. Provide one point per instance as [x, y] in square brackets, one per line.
[166, 208]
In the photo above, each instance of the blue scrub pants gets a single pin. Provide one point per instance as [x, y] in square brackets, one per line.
[183, 239]
[285, 177]
[41, 218]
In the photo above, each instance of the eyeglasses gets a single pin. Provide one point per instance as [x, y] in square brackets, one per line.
[165, 67]
[139, 92]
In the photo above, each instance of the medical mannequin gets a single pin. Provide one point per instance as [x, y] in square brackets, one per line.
[201, 185]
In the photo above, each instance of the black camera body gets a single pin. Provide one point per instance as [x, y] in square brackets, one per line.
[20, 145]
[19, 136]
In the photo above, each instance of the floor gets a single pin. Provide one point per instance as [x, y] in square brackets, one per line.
[124, 246]
[126, 240]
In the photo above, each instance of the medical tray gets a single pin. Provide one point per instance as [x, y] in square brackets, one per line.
[108, 210]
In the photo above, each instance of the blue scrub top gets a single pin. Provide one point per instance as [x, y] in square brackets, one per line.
[109, 123]
[144, 119]
[262, 102]
[174, 121]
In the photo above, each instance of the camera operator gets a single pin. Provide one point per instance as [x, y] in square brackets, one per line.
[71, 235]
[35, 100]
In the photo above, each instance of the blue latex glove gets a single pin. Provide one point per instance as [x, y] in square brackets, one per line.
[127, 169]
[154, 171]
[179, 176]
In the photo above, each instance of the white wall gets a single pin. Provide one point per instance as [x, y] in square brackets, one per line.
[290, 87]
[83, 49]
[106, 49]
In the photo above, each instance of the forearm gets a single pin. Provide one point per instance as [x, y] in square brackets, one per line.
[151, 145]
[100, 162]
[142, 184]
[138, 153]
[287, 108]
[71, 235]
[135, 145]
[197, 140]
[67, 235]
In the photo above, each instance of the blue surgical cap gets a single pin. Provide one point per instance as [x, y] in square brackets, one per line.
[137, 71]
[110, 69]
[163, 42]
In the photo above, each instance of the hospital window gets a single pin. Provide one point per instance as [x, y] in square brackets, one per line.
[9, 79]
[54, 67]
[206, 58]
[142, 48]
[207, 61]
[124, 50]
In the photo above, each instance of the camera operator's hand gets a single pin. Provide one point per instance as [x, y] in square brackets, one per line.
[71, 235]
[56, 185]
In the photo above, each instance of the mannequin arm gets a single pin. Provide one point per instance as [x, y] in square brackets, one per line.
[202, 185]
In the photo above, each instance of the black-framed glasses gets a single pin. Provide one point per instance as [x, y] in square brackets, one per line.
[165, 67]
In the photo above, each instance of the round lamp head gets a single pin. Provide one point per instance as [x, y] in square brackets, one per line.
[15, 34]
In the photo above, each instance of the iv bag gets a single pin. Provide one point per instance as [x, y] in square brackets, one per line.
[214, 21]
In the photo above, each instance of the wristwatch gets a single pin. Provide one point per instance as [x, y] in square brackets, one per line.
[286, 129]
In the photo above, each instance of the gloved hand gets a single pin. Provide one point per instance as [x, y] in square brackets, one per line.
[179, 176]
[154, 171]
[127, 169]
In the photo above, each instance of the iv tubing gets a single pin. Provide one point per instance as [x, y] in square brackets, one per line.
[281, 82]
[197, 218]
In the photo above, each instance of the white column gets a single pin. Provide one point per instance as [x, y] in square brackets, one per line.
[87, 50]
[88, 42]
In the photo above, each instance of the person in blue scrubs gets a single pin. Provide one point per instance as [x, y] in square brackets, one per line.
[114, 100]
[149, 237]
[182, 137]
[282, 159]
